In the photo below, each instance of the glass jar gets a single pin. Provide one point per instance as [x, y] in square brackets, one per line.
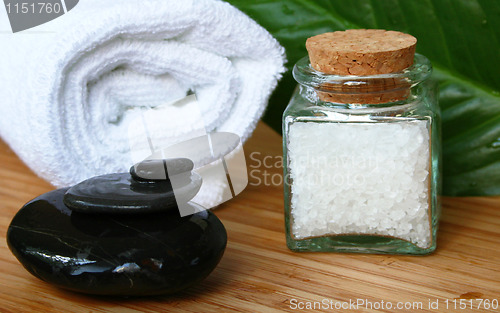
[362, 175]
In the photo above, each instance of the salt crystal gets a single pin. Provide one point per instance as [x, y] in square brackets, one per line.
[381, 171]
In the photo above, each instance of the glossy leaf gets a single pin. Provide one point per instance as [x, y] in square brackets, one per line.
[460, 37]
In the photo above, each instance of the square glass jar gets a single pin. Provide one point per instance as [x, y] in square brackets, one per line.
[362, 176]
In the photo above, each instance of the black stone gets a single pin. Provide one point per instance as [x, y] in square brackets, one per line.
[120, 193]
[104, 254]
[154, 170]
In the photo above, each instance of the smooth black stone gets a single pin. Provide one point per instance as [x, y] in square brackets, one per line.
[119, 193]
[161, 169]
[147, 254]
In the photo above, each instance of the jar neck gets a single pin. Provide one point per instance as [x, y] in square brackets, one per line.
[362, 91]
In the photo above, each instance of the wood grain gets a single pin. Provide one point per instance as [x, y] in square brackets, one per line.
[259, 274]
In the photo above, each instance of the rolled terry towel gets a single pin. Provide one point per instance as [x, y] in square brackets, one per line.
[69, 88]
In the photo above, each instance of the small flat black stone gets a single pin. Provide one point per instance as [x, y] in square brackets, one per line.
[119, 193]
[155, 169]
[125, 255]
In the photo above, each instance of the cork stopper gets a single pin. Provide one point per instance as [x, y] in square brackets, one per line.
[362, 52]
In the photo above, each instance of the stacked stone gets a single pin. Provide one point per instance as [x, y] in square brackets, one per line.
[120, 234]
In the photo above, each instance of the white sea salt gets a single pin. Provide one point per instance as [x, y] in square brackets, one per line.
[360, 178]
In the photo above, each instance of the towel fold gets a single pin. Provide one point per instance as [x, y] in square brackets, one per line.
[70, 88]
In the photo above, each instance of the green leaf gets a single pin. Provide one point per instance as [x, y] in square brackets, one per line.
[460, 37]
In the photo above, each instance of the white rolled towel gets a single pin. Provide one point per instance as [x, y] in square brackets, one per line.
[70, 87]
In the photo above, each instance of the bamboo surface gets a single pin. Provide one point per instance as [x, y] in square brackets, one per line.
[259, 274]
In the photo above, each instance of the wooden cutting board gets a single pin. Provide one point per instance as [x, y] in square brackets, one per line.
[259, 274]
